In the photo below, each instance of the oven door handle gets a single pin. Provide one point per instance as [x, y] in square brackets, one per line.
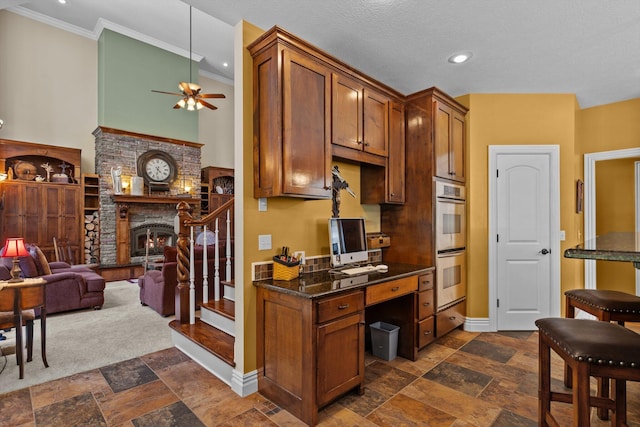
[453, 253]
[447, 200]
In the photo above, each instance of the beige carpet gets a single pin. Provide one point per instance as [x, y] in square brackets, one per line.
[83, 340]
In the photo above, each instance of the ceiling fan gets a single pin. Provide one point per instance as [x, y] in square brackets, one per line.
[192, 99]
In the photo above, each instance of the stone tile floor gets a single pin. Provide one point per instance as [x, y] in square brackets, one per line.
[463, 379]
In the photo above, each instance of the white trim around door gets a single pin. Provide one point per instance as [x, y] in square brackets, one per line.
[590, 160]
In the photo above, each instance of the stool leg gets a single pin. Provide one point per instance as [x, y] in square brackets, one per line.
[581, 388]
[619, 388]
[43, 336]
[544, 381]
[603, 391]
[570, 311]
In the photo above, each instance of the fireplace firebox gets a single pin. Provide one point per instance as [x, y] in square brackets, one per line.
[156, 236]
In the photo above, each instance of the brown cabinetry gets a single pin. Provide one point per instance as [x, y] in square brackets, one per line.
[448, 141]
[386, 184]
[434, 149]
[309, 351]
[308, 107]
[360, 116]
[41, 211]
[292, 105]
[425, 310]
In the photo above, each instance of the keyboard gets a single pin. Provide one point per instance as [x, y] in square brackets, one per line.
[358, 270]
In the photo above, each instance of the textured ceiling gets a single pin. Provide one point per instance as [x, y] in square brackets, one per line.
[590, 48]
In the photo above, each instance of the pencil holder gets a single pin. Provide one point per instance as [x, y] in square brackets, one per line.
[283, 270]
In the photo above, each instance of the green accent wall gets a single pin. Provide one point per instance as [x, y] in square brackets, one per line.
[127, 72]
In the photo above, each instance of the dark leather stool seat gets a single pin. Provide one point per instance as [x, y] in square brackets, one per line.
[590, 348]
[608, 306]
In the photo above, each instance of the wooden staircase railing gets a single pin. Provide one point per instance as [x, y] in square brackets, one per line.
[185, 291]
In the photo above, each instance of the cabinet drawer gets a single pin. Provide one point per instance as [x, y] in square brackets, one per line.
[425, 304]
[333, 308]
[425, 282]
[390, 290]
[450, 318]
[425, 332]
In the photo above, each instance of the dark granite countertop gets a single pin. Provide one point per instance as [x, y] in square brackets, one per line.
[314, 285]
[618, 246]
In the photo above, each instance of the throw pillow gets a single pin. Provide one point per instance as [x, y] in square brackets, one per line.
[28, 267]
[41, 261]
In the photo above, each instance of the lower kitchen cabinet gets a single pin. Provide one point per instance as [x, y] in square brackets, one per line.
[450, 318]
[309, 351]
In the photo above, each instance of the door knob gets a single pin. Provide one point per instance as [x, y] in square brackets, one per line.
[544, 251]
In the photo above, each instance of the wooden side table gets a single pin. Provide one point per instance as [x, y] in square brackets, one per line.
[27, 295]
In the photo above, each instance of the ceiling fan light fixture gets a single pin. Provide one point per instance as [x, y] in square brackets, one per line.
[199, 105]
[182, 103]
[460, 57]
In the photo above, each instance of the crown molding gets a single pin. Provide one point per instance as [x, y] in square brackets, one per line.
[101, 25]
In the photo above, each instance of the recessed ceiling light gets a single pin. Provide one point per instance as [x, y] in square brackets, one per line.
[460, 57]
[62, 1]
[225, 64]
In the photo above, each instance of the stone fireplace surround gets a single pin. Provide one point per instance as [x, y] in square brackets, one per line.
[121, 148]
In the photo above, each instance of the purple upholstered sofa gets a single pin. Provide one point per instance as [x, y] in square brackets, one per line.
[158, 287]
[68, 287]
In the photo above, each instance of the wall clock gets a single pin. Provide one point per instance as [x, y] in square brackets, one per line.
[157, 167]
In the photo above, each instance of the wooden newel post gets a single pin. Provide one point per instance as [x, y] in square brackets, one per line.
[182, 290]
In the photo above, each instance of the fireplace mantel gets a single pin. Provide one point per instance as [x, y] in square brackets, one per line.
[126, 198]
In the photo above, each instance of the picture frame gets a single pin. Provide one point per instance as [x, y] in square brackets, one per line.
[579, 196]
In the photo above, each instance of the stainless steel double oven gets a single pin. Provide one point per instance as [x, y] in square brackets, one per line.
[451, 238]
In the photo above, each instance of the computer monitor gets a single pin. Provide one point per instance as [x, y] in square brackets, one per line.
[347, 241]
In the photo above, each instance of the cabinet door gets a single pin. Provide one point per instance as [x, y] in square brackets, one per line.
[376, 122]
[306, 143]
[448, 142]
[457, 146]
[396, 160]
[346, 123]
[340, 355]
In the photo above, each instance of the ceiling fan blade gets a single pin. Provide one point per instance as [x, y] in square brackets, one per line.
[168, 93]
[212, 95]
[206, 104]
[175, 107]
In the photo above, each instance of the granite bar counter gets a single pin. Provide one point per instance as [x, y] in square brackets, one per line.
[323, 283]
[615, 246]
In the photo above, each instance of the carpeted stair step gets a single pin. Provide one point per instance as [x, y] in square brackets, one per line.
[209, 338]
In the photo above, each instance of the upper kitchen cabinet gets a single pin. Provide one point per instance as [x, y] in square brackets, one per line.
[387, 184]
[292, 107]
[449, 141]
[446, 119]
[308, 107]
[360, 117]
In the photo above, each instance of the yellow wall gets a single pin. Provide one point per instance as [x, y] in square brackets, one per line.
[615, 211]
[514, 120]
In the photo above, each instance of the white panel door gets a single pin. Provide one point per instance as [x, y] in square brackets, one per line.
[523, 240]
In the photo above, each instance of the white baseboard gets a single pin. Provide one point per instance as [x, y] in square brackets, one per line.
[244, 384]
[478, 324]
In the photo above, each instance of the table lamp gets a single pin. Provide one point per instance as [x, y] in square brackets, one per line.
[14, 247]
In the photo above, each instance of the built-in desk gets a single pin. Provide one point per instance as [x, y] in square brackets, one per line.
[618, 246]
[312, 334]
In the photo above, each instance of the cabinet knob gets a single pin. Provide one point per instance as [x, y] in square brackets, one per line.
[427, 332]
[359, 142]
[395, 289]
[343, 306]
[452, 318]
[427, 304]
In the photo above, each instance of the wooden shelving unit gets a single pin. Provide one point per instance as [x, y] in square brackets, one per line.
[91, 222]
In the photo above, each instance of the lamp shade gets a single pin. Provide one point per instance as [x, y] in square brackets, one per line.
[14, 247]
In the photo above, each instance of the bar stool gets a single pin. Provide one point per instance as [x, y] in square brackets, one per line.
[590, 348]
[607, 306]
